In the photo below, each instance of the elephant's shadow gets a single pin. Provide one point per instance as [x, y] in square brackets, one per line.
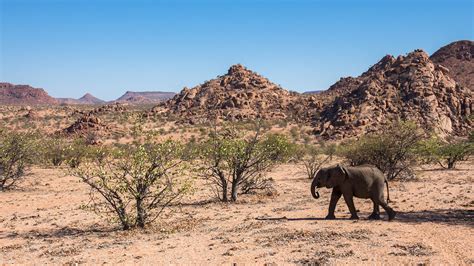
[284, 218]
[445, 216]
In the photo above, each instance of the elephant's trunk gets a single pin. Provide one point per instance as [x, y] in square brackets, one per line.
[313, 189]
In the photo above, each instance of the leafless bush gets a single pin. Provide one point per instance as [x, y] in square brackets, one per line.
[231, 159]
[137, 183]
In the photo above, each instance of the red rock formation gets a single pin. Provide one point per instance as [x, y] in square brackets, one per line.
[23, 95]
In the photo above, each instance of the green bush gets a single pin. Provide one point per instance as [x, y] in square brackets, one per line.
[134, 184]
[393, 150]
[231, 159]
[76, 152]
[445, 153]
[313, 159]
[16, 154]
[54, 150]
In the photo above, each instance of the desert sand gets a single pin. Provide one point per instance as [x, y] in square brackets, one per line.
[42, 222]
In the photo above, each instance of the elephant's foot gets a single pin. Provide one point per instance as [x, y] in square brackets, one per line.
[391, 215]
[330, 217]
[374, 216]
[354, 217]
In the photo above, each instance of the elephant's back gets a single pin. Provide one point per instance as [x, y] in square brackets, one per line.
[369, 170]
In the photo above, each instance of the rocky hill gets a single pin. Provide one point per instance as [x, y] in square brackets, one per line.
[145, 97]
[86, 99]
[240, 94]
[409, 87]
[458, 57]
[11, 94]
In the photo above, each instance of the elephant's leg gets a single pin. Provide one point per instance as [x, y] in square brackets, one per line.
[350, 203]
[376, 212]
[390, 212]
[335, 196]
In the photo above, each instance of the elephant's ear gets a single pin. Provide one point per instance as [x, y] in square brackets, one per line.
[343, 169]
[337, 176]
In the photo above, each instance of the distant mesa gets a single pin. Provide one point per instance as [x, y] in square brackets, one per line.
[11, 94]
[145, 97]
[458, 58]
[86, 99]
[89, 98]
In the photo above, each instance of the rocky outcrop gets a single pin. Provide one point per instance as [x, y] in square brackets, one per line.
[408, 87]
[109, 108]
[89, 122]
[11, 94]
[240, 94]
[458, 58]
[86, 124]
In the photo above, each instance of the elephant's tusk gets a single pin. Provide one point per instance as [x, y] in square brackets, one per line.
[316, 194]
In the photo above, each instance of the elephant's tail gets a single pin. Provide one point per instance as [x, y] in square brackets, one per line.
[388, 192]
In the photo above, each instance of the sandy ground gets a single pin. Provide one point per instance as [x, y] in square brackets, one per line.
[42, 223]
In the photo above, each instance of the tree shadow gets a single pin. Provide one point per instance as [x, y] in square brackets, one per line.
[197, 203]
[60, 233]
[446, 216]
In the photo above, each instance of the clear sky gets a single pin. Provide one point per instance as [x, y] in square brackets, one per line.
[70, 47]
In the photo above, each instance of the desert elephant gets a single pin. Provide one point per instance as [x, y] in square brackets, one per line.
[365, 181]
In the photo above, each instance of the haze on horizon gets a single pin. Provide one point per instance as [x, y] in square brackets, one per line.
[108, 47]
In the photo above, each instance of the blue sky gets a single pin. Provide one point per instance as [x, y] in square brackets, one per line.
[70, 47]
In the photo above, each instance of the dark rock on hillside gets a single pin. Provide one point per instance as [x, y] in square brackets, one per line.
[88, 123]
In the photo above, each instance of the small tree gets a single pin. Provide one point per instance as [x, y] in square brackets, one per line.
[15, 155]
[445, 153]
[313, 159]
[54, 150]
[231, 159]
[392, 150]
[135, 183]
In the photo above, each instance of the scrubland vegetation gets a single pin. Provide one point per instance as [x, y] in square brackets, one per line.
[133, 183]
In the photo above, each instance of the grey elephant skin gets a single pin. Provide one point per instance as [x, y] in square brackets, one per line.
[365, 181]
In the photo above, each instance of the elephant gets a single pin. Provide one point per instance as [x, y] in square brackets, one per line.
[365, 181]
